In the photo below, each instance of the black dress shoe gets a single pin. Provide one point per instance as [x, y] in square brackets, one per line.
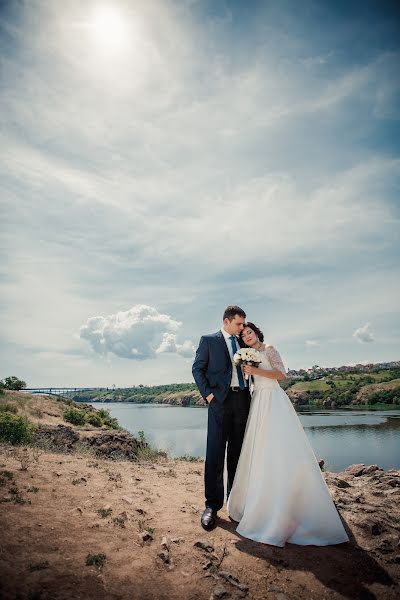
[209, 518]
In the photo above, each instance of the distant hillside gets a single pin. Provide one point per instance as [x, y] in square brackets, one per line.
[178, 394]
[381, 388]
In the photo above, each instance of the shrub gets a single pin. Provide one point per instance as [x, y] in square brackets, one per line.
[94, 419]
[74, 416]
[14, 429]
[8, 407]
[107, 419]
[97, 560]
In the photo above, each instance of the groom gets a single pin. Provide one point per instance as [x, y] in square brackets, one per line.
[226, 392]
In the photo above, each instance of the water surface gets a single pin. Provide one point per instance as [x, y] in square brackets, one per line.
[340, 437]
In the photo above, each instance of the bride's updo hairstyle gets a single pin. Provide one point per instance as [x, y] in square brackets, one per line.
[256, 330]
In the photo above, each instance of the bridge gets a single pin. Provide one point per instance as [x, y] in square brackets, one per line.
[61, 391]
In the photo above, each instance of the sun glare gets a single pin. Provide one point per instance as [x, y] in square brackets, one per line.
[109, 29]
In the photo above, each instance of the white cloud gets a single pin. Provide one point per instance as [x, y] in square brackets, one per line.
[364, 334]
[138, 334]
[312, 343]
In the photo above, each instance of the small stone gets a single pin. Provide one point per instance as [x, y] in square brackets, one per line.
[341, 483]
[164, 555]
[127, 499]
[220, 592]
[204, 546]
[165, 543]
[233, 580]
[178, 540]
[79, 509]
[393, 482]
[145, 536]
[372, 526]
[58, 473]
[385, 547]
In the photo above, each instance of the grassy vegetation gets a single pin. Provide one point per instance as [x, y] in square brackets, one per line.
[14, 429]
[80, 416]
[380, 389]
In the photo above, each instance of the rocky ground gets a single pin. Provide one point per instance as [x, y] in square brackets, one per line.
[75, 525]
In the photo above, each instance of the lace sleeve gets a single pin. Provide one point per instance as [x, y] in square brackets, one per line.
[275, 359]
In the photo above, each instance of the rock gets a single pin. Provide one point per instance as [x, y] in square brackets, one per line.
[341, 483]
[233, 580]
[321, 463]
[116, 444]
[177, 540]
[204, 546]
[127, 499]
[56, 436]
[393, 482]
[220, 592]
[373, 526]
[385, 547]
[79, 509]
[145, 536]
[371, 469]
[164, 555]
[165, 543]
[355, 470]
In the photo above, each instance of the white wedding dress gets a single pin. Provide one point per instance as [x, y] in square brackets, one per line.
[279, 494]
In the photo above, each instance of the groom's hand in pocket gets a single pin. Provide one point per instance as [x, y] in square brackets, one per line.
[209, 398]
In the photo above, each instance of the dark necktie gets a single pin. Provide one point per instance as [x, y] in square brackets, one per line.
[242, 384]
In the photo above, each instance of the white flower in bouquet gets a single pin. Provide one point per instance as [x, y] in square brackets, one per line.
[247, 356]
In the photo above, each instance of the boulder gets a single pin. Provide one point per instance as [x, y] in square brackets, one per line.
[355, 470]
[60, 437]
[116, 444]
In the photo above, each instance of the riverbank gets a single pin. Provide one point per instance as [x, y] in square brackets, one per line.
[79, 521]
[378, 388]
[78, 526]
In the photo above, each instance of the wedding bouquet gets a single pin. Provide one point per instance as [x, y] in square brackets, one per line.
[247, 356]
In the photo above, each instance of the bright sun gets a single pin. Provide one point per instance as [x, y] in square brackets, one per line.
[109, 29]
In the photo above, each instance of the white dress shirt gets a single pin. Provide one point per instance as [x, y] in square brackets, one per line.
[235, 379]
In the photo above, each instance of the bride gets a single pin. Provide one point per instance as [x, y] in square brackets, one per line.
[279, 494]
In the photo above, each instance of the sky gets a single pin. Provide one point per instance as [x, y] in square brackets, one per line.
[163, 159]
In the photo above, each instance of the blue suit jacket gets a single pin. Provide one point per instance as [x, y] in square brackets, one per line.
[212, 367]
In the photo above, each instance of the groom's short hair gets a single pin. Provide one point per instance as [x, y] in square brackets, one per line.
[231, 311]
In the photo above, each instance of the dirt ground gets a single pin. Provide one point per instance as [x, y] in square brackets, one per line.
[59, 512]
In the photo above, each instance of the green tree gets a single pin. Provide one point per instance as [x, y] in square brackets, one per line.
[13, 383]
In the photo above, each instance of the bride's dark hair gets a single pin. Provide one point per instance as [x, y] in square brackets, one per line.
[256, 330]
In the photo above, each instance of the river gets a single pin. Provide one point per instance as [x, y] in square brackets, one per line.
[340, 437]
